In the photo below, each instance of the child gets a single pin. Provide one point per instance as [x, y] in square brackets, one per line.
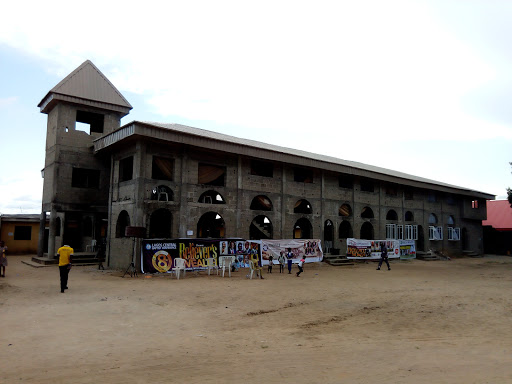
[270, 263]
[281, 259]
[300, 265]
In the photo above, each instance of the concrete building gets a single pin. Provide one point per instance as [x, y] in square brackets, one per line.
[20, 232]
[179, 181]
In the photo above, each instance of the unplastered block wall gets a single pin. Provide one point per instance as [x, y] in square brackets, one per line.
[119, 250]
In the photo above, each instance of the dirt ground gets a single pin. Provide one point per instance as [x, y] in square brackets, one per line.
[421, 322]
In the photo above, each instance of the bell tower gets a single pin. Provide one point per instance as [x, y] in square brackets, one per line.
[83, 107]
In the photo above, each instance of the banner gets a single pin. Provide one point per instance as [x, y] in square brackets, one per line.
[370, 249]
[407, 249]
[157, 255]
[310, 249]
[242, 249]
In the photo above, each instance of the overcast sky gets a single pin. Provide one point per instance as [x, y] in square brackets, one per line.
[422, 87]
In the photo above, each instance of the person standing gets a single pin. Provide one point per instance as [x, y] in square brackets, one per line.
[3, 258]
[289, 256]
[270, 263]
[65, 257]
[301, 265]
[281, 259]
[383, 256]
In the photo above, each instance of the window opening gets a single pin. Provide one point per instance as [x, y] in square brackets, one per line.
[123, 221]
[432, 219]
[303, 175]
[367, 185]
[367, 213]
[345, 210]
[85, 178]
[409, 216]
[391, 215]
[22, 232]
[474, 204]
[302, 206]
[346, 181]
[345, 231]
[162, 168]
[126, 169]
[211, 175]
[261, 203]
[211, 197]
[262, 168]
[261, 228]
[211, 224]
[89, 122]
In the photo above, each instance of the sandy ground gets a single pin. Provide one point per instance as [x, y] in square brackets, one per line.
[421, 322]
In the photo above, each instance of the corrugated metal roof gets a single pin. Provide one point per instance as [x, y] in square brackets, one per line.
[499, 215]
[242, 145]
[88, 83]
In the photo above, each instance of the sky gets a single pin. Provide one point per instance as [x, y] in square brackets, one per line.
[421, 87]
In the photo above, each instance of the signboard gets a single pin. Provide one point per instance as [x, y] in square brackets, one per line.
[371, 249]
[310, 249]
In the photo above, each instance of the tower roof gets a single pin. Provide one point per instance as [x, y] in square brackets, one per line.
[86, 85]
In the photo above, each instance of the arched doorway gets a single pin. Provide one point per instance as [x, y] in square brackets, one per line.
[302, 229]
[328, 235]
[367, 231]
[345, 230]
[160, 224]
[123, 221]
[211, 224]
[261, 228]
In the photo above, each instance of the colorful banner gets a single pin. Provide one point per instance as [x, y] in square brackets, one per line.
[407, 249]
[370, 249]
[157, 255]
[310, 249]
[242, 249]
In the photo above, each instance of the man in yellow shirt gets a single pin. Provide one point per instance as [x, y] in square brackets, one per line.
[65, 256]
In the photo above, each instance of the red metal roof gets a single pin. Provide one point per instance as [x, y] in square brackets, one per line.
[499, 215]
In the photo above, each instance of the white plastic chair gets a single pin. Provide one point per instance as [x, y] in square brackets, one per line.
[252, 269]
[91, 247]
[179, 265]
[210, 264]
[225, 263]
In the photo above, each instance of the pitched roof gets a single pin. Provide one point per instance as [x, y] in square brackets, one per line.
[86, 85]
[499, 215]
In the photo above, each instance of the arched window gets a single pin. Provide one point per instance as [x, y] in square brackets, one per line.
[367, 213]
[211, 197]
[303, 206]
[123, 221]
[392, 215]
[432, 219]
[261, 228]
[409, 216]
[162, 193]
[450, 221]
[160, 224]
[302, 229]
[345, 230]
[261, 203]
[345, 210]
[211, 224]
[366, 231]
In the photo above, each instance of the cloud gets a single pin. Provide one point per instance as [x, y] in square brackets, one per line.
[8, 101]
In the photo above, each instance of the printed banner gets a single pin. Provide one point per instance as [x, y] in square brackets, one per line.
[310, 249]
[157, 255]
[370, 249]
[244, 250]
[407, 249]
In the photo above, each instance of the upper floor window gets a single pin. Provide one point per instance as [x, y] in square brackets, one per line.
[211, 175]
[346, 181]
[261, 203]
[391, 190]
[474, 204]
[262, 168]
[162, 168]
[89, 122]
[303, 175]
[367, 185]
[408, 193]
[85, 178]
[126, 169]
[431, 197]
